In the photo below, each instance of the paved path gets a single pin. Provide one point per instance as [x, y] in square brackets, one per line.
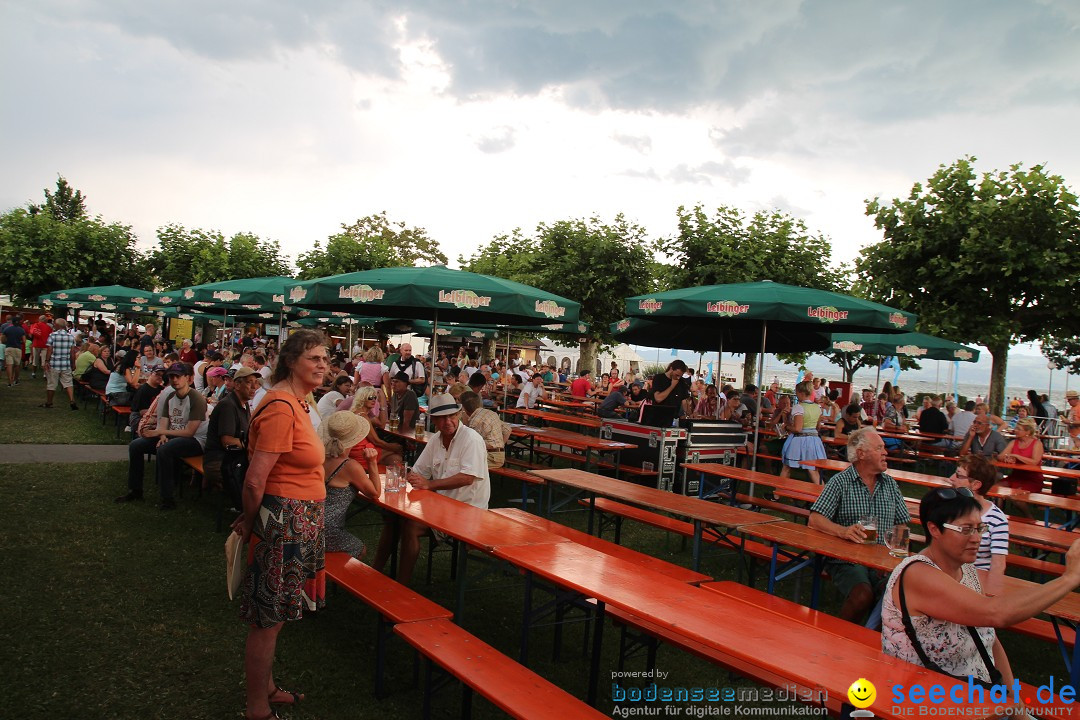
[19, 453]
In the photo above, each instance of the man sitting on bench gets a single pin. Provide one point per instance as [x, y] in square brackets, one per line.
[864, 489]
[453, 463]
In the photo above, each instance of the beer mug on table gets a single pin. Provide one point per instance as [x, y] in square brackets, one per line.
[869, 525]
[897, 540]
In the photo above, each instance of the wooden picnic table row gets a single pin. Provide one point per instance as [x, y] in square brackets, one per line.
[764, 645]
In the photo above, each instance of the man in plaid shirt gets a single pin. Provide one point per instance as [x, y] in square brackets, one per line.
[59, 349]
[862, 489]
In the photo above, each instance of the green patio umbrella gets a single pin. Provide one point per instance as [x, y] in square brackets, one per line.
[689, 336]
[435, 293]
[230, 297]
[754, 311]
[258, 294]
[109, 294]
[914, 345]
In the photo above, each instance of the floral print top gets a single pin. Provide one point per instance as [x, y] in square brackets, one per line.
[945, 643]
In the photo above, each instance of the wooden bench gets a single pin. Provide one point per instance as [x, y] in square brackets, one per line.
[842, 628]
[121, 411]
[508, 685]
[393, 602]
[527, 480]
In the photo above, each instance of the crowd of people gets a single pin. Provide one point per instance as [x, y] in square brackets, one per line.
[309, 427]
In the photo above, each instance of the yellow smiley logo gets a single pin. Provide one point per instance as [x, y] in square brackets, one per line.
[862, 693]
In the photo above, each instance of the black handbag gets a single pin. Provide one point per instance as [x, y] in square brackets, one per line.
[235, 463]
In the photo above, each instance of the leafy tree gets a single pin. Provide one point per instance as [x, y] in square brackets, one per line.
[193, 257]
[57, 245]
[1065, 351]
[730, 247]
[370, 242]
[66, 204]
[990, 259]
[595, 263]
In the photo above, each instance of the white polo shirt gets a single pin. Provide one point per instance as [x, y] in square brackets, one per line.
[467, 454]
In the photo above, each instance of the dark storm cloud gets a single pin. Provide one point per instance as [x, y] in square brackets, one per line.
[870, 62]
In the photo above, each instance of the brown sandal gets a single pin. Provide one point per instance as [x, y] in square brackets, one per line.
[295, 697]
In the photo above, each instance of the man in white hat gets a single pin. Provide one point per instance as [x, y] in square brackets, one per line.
[1073, 417]
[453, 463]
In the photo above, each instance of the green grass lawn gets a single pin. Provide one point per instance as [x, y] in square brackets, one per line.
[120, 611]
[22, 421]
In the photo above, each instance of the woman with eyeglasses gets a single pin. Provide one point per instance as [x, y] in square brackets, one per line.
[977, 474]
[934, 613]
[284, 516]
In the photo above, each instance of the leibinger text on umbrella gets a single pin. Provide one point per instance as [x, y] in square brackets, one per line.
[226, 295]
[464, 299]
[727, 308]
[913, 350]
[550, 308]
[650, 306]
[826, 314]
[898, 319]
[360, 293]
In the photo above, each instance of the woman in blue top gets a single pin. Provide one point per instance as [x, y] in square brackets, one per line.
[803, 442]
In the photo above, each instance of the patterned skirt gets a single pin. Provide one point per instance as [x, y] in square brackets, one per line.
[286, 572]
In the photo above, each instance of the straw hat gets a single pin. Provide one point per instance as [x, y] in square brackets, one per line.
[344, 427]
[443, 404]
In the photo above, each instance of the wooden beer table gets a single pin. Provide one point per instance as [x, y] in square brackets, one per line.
[719, 519]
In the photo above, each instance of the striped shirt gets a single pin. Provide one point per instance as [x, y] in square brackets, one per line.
[845, 499]
[62, 343]
[996, 539]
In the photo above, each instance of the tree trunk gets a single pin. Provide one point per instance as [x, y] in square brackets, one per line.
[487, 351]
[1000, 353]
[749, 369]
[587, 360]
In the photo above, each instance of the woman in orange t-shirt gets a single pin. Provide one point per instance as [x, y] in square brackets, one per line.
[284, 494]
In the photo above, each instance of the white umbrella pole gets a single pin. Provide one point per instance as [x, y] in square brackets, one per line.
[760, 400]
[434, 356]
[506, 370]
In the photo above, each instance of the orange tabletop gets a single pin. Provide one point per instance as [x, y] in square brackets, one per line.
[798, 487]
[579, 405]
[759, 641]
[703, 513]
[478, 528]
[579, 440]
[663, 567]
[579, 420]
[694, 508]
[1056, 502]
[871, 555]
[1044, 469]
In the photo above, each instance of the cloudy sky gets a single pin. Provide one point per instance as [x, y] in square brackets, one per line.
[288, 118]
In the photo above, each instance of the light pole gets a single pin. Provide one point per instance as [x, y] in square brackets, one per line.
[1050, 366]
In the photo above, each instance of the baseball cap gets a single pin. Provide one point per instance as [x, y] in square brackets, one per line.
[179, 369]
[216, 371]
[403, 377]
[241, 372]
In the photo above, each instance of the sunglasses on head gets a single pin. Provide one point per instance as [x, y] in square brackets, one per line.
[952, 493]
